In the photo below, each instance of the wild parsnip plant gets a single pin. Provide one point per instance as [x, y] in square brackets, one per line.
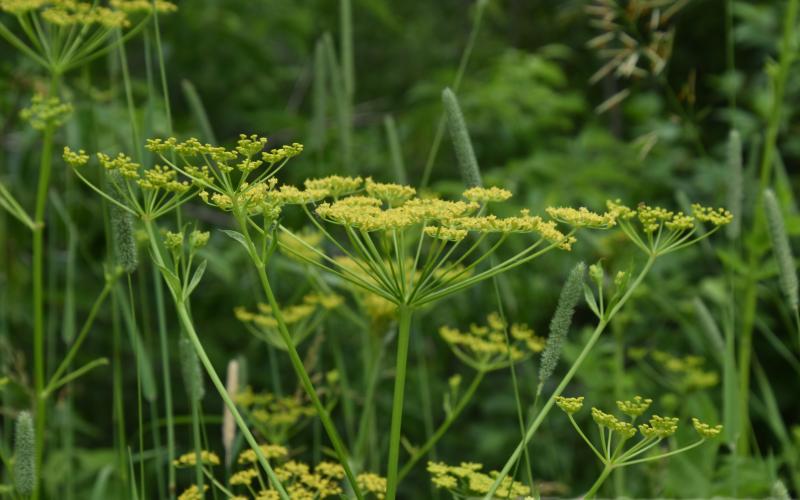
[653, 230]
[378, 298]
[615, 450]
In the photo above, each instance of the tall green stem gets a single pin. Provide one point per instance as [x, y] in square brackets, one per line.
[600, 480]
[188, 326]
[403, 334]
[39, 372]
[301, 372]
[186, 322]
[165, 373]
[442, 429]
[787, 55]
[568, 377]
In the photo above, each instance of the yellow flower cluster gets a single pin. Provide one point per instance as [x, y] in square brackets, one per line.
[447, 220]
[293, 314]
[688, 370]
[243, 477]
[570, 405]
[611, 422]
[74, 13]
[46, 112]
[190, 459]
[583, 217]
[705, 430]
[485, 345]
[133, 6]
[276, 413]
[467, 480]
[660, 427]
[193, 493]
[75, 159]
[301, 483]
[270, 451]
[393, 194]
[717, 217]
[335, 185]
[486, 195]
[635, 407]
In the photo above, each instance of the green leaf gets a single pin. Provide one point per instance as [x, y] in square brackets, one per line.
[588, 294]
[196, 277]
[236, 235]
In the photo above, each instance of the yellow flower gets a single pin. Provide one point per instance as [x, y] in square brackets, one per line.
[705, 430]
[635, 407]
[190, 459]
[485, 195]
[570, 405]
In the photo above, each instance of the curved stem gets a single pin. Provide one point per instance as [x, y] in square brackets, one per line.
[567, 378]
[404, 332]
[600, 480]
[188, 326]
[297, 363]
[462, 403]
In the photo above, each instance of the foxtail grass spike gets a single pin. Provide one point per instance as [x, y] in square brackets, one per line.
[190, 367]
[24, 455]
[562, 319]
[462, 144]
[787, 273]
[228, 423]
[735, 183]
[123, 239]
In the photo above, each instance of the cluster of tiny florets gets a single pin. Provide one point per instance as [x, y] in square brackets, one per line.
[635, 407]
[467, 480]
[486, 344]
[487, 195]
[705, 430]
[570, 405]
[611, 422]
[190, 459]
[46, 112]
[660, 427]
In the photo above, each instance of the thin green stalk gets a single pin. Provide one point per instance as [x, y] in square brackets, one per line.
[462, 68]
[405, 314]
[188, 326]
[749, 306]
[167, 379]
[301, 372]
[39, 372]
[87, 326]
[595, 336]
[198, 443]
[443, 428]
[600, 480]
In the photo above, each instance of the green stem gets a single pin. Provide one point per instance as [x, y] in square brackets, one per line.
[39, 372]
[73, 350]
[165, 373]
[297, 364]
[437, 435]
[568, 377]
[404, 332]
[600, 480]
[188, 326]
[749, 307]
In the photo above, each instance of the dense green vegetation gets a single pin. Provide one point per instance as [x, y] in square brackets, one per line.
[390, 296]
